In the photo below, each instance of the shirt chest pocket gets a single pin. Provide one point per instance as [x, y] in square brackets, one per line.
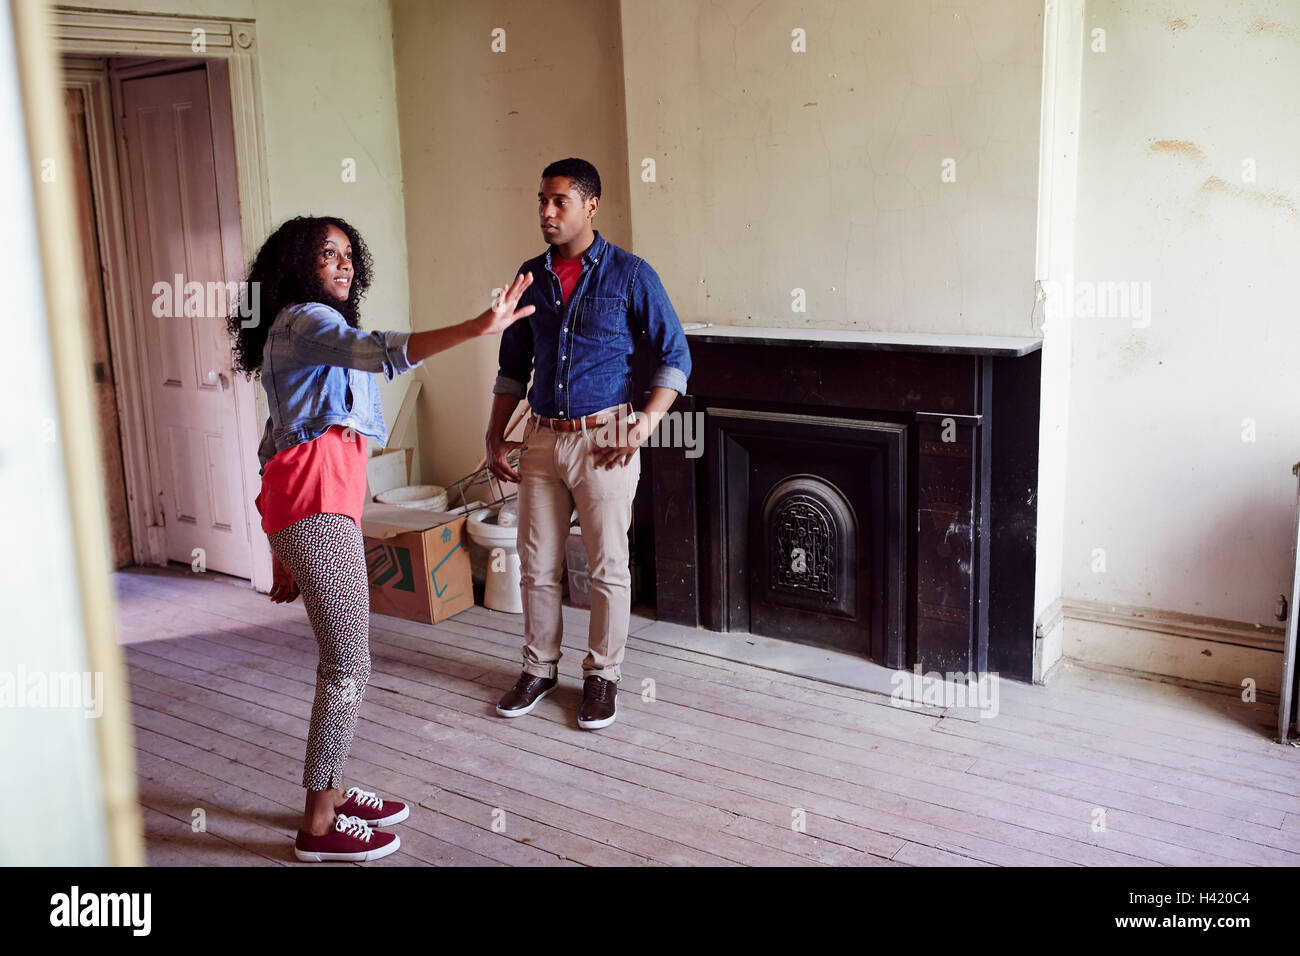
[603, 319]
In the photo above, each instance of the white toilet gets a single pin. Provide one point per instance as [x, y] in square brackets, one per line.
[501, 590]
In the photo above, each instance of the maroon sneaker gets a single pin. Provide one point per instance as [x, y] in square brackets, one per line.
[376, 811]
[351, 841]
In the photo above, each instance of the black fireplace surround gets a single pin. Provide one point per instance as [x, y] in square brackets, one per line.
[874, 493]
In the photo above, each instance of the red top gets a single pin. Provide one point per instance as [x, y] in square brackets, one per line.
[323, 476]
[567, 271]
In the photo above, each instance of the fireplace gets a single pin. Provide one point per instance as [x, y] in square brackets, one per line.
[873, 493]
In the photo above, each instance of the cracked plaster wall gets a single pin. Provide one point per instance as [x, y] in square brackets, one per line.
[821, 171]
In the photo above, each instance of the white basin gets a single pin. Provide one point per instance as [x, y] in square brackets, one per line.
[427, 497]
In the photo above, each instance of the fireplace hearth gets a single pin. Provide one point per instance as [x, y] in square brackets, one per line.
[873, 493]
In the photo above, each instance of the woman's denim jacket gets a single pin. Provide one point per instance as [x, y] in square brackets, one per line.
[316, 370]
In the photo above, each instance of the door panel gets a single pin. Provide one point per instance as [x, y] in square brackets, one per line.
[182, 499]
[216, 453]
[178, 230]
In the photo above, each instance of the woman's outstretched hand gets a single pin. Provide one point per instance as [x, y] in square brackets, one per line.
[504, 312]
[492, 321]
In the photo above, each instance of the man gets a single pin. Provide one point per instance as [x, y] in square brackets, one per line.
[581, 445]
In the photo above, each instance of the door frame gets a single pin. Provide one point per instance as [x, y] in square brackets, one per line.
[90, 76]
[229, 47]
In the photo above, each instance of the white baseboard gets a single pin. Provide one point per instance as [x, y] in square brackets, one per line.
[1049, 641]
[1204, 650]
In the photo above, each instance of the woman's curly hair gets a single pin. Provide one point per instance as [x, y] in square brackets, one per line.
[285, 273]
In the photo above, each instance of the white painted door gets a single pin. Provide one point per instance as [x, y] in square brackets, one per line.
[177, 205]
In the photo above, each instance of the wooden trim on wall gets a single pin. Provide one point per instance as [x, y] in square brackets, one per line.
[1260, 637]
[43, 113]
[164, 35]
[1049, 638]
[1209, 652]
[229, 45]
[1059, 111]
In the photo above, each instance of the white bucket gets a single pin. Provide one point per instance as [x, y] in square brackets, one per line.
[426, 497]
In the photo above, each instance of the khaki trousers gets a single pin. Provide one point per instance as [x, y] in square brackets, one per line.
[558, 474]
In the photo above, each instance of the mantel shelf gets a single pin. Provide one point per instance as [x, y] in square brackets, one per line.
[996, 345]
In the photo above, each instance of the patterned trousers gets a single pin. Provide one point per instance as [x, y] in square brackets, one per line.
[325, 555]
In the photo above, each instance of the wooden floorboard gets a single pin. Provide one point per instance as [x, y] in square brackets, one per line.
[711, 761]
[1076, 812]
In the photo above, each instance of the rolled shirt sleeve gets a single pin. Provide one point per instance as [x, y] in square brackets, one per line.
[669, 377]
[655, 312]
[504, 385]
[515, 356]
[321, 336]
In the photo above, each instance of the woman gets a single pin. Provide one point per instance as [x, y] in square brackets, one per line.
[315, 363]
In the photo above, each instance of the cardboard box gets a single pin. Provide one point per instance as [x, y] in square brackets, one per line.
[416, 563]
[387, 470]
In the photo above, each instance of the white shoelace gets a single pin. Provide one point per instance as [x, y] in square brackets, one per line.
[365, 797]
[354, 827]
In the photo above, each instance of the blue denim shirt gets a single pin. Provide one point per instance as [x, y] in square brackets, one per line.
[316, 372]
[581, 351]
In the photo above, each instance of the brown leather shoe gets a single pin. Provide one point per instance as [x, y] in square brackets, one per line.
[599, 706]
[523, 697]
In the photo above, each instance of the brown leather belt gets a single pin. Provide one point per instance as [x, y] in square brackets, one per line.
[573, 424]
